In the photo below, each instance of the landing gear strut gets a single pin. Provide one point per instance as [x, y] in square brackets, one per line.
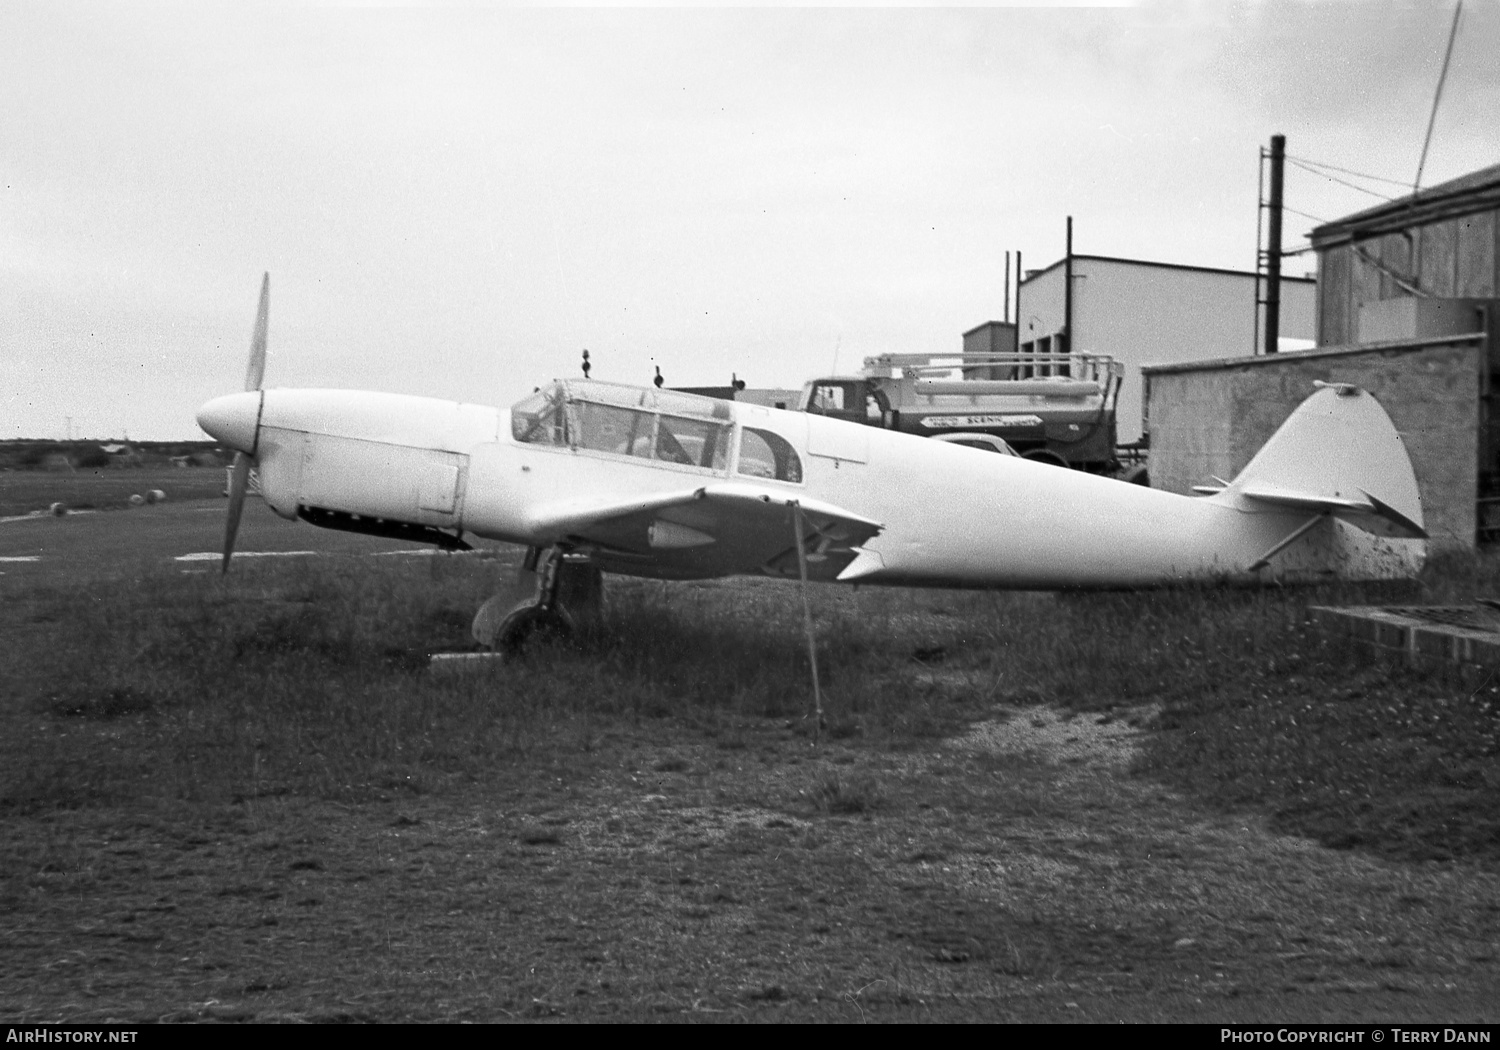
[555, 594]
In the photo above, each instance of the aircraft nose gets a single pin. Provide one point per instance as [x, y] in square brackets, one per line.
[233, 420]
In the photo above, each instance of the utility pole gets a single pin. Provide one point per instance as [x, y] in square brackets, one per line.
[1273, 245]
[1019, 275]
[1067, 330]
[1005, 317]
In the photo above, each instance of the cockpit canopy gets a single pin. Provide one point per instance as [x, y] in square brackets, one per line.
[649, 423]
[644, 422]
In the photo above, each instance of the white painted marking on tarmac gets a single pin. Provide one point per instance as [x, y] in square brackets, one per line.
[423, 552]
[23, 557]
[212, 556]
[217, 555]
[37, 514]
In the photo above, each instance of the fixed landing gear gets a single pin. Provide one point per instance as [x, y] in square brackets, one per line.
[527, 626]
[555, 594]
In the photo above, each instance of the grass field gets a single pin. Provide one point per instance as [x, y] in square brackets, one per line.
[105, 488]
[246, 799]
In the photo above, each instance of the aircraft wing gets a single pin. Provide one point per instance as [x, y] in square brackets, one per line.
[713, 530]
[1366, 512]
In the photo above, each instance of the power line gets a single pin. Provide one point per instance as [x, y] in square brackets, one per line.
[1342, 182]
[1304, 214]
[1346, 171]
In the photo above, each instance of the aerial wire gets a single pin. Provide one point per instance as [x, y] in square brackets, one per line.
[1458, 9]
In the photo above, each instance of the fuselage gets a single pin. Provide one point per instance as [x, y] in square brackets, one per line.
[951, 516]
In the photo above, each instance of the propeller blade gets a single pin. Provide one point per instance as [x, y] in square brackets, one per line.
[239, 482]
[255, 373]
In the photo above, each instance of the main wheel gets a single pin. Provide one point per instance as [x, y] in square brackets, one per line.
[530, 626]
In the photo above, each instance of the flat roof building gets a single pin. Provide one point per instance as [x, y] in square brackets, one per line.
[1141, 312]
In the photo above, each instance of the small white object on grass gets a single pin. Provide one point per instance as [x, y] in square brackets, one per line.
[459, 663]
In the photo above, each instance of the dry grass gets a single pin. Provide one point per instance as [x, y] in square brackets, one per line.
[245, 799]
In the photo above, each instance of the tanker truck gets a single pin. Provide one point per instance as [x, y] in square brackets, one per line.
[1054, 408]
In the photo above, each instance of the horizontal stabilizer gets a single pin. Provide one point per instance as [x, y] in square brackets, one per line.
[1367, 512]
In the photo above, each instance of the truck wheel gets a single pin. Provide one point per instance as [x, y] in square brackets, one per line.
[1045, 455]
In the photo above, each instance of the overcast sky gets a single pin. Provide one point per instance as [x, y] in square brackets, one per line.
[456, 202]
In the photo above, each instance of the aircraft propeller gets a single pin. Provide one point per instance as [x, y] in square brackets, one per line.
[255, 372]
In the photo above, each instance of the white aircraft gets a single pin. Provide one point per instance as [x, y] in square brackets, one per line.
[596, 477]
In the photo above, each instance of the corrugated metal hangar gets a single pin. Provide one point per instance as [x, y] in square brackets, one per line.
[1407, 299]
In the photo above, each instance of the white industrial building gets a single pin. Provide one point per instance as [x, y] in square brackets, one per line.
[1150, 313]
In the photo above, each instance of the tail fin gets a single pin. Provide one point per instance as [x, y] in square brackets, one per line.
[1339, 454]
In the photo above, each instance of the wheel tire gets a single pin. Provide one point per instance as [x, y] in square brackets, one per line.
[530, 627]
[1047, 456]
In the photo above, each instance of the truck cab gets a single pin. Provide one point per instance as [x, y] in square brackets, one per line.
[854, 399]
